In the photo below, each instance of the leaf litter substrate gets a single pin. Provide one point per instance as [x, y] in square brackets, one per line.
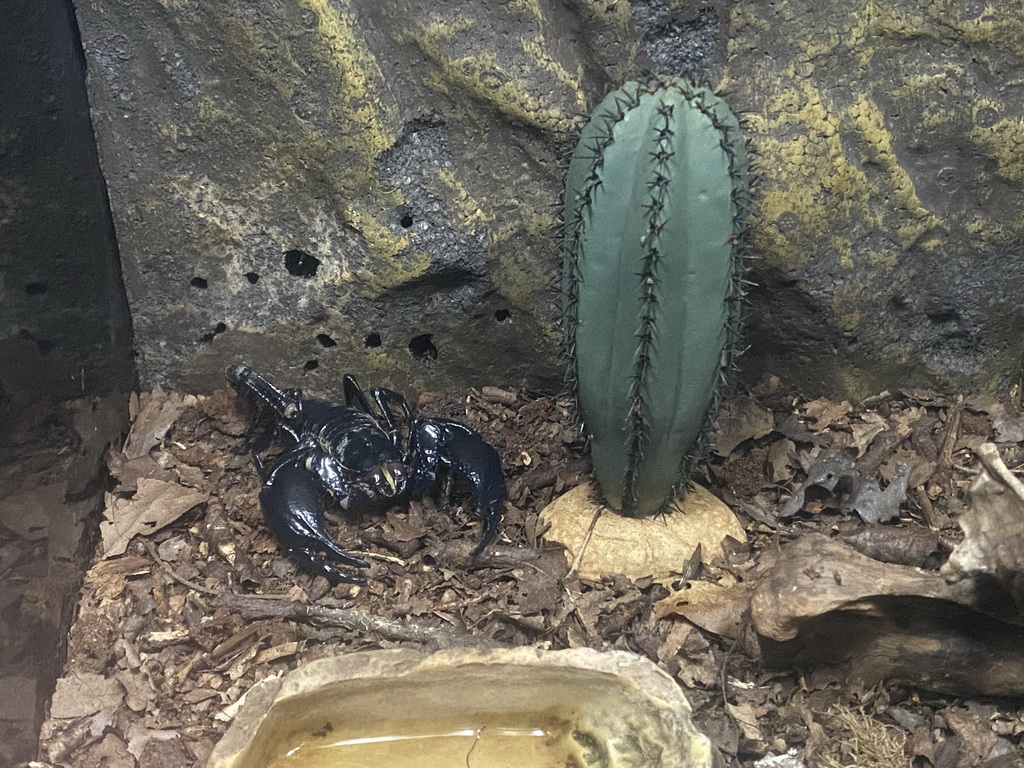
[202, 604]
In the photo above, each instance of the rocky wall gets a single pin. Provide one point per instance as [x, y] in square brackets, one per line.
[891, 209]
[323, 186]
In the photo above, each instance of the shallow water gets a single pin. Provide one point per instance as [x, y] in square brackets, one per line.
[518, 744]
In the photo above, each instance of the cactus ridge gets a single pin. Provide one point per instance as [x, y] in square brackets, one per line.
[654, 230]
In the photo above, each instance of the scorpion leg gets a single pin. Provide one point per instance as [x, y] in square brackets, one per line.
[294, 512]
[435, 443]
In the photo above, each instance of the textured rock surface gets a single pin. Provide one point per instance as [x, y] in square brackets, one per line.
[410, 153]
[891, 214]
[325, 186]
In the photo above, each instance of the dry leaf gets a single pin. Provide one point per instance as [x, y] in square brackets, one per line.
[782, 461]
[674, 640]
[745, 718]
[139, 736]
[863, 433]
[638, 547]
[83, 693]
[827, 413]
[740, 419]
[157, 503]
[157, 413]
[710, 606]
[906, 419]
[976, 738]
[408, 525]
[282, 651]
[129, 471]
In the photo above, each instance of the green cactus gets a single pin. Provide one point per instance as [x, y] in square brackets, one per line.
[655, 214]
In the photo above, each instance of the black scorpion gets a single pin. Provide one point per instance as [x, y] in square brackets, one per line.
[355, 452]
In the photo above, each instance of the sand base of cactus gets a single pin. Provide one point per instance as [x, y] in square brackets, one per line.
[602, 542]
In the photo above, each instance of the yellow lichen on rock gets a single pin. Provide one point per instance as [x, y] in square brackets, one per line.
[1004, 142]
[539, 49]
[1000, 24]
[469, 216]
[815, 191]
[815, 139]
[360, 101]
[889, 147]
[523, 280]
[913, 220]
[467, 66]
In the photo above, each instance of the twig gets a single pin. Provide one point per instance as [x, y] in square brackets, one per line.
[586, 540]
[952, 430]
[934, 523]
[724, 674]
[457, 553]
[166, 568]
[258, 607]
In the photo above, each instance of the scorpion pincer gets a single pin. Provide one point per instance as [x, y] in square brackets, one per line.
[355, 453]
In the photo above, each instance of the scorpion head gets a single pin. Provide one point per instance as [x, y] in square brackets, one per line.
[388, 480]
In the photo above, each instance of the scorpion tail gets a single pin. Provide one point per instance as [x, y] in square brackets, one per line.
[287, 403]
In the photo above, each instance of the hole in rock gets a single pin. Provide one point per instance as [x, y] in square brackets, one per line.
[209, 335]
[301, 264]
[372, 340]
[35, 289]
[310, 365]
[422, 348]
[502, 315]
[940, 316]
[199, 282]
[325, 341]
[43, 345]
[252, 277]
[406, 221]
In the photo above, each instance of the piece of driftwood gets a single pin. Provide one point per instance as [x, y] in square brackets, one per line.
[957, 632]
[409, 629]
[991, 556]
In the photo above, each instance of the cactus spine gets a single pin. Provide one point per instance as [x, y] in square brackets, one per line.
[655, 214]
